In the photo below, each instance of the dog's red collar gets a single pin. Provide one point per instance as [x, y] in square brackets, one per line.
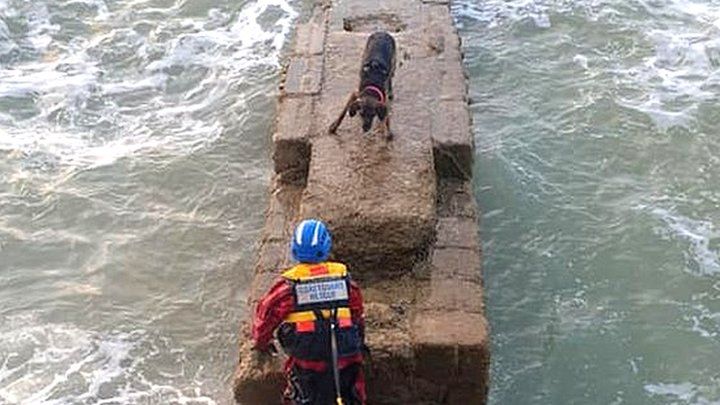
[378, 92]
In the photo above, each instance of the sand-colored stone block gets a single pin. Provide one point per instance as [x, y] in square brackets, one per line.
[303, 76]
[309, 39]
[273, 256]
[281, 214]
[454, 295]
[457, 264]
[453, 85]
[451, 348]
[453, 144]
[371, 15]
[456, 199]
[378, 196]
[258, 378]
[456, 232]
[291, 144]
[453, 329]
[378, 199]
[294, 118]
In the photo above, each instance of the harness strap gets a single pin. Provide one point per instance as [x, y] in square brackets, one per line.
[377, 91]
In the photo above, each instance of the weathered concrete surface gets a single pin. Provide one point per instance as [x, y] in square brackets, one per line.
[402, 213]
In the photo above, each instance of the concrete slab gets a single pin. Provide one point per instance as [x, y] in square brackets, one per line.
[303, 76]
[402, 212]
[453, 81]
[453, 143]
[281, 214]
[458, 233]
[291, 139]
[258, 379]
[309, 39]
[454, 295]
[343, 52]
[370, 15]
[378, 199]
[457, 264]
[378, 196]
[360, 183]
[294, 119]
[456, 199]
[452, 350]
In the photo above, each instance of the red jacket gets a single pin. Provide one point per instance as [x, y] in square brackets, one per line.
[278, 303]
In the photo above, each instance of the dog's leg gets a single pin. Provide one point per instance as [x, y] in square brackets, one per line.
[390, 90]
[386, 127]
[339, 120]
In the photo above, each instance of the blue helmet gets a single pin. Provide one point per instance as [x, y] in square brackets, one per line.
[311, 242]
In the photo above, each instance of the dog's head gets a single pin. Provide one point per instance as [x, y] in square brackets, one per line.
[369, 107]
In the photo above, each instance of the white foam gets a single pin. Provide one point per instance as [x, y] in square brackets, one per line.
[7, 45]
[671, 84]
[698, 233]
[686, 393]
[45, 351]
[40, 29]
[56, 363]
[677, 78]
[73, 76]
[581, 60]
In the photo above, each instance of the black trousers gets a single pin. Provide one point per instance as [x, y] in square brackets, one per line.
[307, 387]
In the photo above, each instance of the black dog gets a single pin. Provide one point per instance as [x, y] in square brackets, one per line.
[378, 67]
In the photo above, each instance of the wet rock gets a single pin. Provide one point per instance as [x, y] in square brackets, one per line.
[455, 199]
[291, 139]
[258, 377]
[453, 145]
[303, 76]
[378, 199]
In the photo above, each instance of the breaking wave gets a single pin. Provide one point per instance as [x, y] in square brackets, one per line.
[129, 77]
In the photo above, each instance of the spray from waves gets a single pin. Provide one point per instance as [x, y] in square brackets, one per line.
[682, 72]
[705, 322]
[701, 258]
[678, 54]
[39, 31]
[166, 83]
[54, 364]
[685, 393]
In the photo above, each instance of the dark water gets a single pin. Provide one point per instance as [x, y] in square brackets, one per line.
[597, 156]
[133, 172]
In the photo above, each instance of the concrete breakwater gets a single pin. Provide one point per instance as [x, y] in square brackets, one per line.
[402, 213]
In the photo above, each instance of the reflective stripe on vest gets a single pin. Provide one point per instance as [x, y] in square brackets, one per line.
[305, 316]
[318, 290]
[304, 272]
